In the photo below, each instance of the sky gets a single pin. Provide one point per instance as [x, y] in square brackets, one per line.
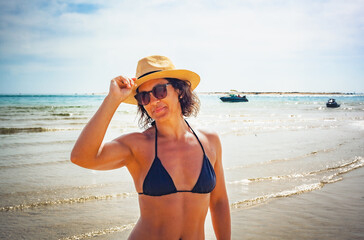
[67, 47]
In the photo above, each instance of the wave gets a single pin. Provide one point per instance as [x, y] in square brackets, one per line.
[8, 131]
[310, 154]
[62, 114]
[51, 191]
[302, 156]
[4, 131]
[285, 159]
[342, 169]
[270, 178]
[55, 118]
[240, 126]
[16, 144]
[44, 107]
[34, 164]
[47, 203]
[287, 193]
[97, 233]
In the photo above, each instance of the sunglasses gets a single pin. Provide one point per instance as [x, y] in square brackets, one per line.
[159, 92]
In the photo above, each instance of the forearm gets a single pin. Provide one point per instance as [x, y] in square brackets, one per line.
[91, 137]
[220, 215]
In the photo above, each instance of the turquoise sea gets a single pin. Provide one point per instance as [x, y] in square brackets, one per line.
[293, 168]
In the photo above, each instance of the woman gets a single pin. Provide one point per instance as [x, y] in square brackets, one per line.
[165, 160]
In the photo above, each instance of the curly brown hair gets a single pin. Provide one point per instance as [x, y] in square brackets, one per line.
[190, 103]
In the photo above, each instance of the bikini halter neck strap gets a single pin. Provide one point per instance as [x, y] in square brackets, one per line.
[156, 138]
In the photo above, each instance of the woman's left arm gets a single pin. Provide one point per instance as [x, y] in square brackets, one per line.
[219, 203]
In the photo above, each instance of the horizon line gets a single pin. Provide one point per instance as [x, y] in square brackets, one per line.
[202, 92]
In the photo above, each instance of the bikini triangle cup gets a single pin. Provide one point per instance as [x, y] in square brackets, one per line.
[158, 182]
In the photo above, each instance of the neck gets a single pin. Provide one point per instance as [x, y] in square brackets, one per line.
[173, 128]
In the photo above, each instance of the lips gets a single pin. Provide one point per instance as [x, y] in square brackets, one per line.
[159, 109]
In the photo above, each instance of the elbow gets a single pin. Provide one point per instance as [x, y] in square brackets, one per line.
[83, 162]
[75, 159]
[220, 203]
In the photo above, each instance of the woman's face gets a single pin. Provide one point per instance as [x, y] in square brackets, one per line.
[161, 109]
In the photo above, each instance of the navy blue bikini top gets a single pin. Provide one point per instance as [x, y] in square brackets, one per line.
[158, 182]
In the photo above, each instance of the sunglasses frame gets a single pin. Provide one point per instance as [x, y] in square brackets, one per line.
[147, 93]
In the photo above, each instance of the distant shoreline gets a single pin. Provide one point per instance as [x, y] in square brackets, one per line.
[279, 93]
[201, 93]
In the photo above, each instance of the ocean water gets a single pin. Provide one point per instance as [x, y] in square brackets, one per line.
[283, 155]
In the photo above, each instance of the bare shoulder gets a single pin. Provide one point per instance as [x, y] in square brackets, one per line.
[210, 140]
[211, 136]
[208, 133]
[136, 139]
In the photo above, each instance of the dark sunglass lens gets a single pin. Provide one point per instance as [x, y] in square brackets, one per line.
[137, 97]
[160, 91]
[143, 98]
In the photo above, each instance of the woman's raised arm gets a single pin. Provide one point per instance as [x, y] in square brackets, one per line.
[88, 151]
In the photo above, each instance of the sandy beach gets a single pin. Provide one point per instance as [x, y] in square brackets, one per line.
[333, 212]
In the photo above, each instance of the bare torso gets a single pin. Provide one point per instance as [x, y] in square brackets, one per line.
[174, 216]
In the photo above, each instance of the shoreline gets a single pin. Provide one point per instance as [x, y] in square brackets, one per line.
[281, 93]
[200, 93]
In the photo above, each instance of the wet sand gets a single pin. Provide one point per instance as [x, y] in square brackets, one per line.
[334, 212]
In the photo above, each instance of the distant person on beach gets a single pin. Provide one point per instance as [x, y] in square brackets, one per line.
[177, 171]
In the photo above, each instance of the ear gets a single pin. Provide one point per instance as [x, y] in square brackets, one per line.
[180, 94]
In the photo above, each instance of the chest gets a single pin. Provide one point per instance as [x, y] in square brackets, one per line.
[182, 160]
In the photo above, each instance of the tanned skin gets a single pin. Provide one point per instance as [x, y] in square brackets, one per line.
[174, 216]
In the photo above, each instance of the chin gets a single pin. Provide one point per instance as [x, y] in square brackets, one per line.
[161, 117]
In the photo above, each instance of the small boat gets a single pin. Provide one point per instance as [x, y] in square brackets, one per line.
[332, 103]
[234, 98]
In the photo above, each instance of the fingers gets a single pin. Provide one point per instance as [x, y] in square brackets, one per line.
[124, 81]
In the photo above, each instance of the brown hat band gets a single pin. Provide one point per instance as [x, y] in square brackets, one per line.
[145, 74]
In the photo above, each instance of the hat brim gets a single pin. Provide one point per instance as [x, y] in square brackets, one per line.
[180, 74]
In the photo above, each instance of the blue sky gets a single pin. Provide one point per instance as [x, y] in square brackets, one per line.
[247, 45]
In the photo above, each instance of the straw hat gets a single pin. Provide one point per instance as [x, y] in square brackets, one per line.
[154, 67]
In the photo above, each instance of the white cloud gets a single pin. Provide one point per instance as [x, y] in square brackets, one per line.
[219, 39]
